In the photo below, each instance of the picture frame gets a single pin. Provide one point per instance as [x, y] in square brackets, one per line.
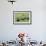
[22, 17]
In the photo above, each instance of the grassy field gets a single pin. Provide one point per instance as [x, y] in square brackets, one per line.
[22, 17]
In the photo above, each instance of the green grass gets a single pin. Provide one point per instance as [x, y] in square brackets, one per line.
[22, 17]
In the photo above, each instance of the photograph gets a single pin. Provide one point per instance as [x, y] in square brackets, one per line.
[22, 17]
[22, 22]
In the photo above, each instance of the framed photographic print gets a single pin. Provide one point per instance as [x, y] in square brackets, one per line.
[22, 17]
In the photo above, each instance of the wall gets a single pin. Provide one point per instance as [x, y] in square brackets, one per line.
[9, 31]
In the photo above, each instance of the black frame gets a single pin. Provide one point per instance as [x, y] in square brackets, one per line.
[23, 23]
